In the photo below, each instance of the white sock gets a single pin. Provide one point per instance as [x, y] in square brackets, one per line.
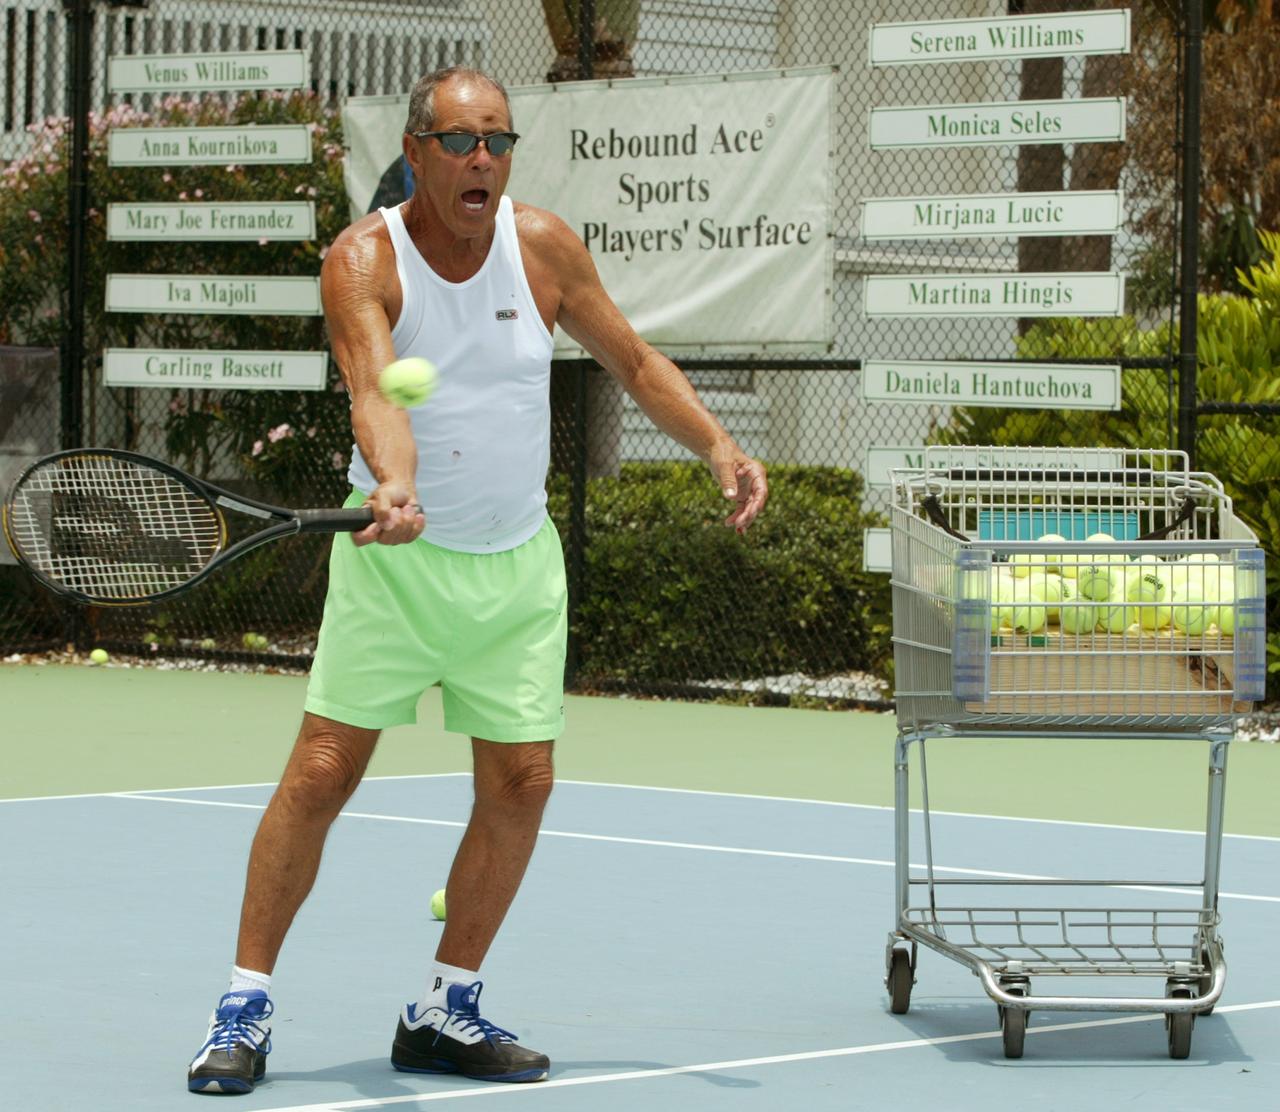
[247, 979]
[442, 976]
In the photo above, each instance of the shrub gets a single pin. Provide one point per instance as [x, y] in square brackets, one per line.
[671, 595]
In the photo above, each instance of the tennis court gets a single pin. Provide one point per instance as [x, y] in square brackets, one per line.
[703, 924]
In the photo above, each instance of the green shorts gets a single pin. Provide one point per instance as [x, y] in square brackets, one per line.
[489, 627]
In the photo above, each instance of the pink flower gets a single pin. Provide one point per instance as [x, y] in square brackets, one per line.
[257, 448]
[166, 176]
[311, 433]
[280, 432]
[263, 241]
[199, 192]
[40, 240]
[182, 196]
[33, 215]
[338, 461]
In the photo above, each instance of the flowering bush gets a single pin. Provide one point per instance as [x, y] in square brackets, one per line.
[198, 427]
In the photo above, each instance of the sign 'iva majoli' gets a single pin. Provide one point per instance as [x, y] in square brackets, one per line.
[212, 294]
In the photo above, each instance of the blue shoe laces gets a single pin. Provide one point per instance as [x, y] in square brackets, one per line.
[236, 1023]
[464, 1005]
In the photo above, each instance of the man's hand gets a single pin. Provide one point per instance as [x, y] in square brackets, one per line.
[741, 479]
[397, 517]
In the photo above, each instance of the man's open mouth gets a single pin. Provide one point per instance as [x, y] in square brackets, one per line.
[473, 200]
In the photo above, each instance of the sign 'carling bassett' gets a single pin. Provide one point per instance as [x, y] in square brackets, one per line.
[704, 201]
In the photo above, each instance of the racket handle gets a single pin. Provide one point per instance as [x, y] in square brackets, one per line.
[334, 521]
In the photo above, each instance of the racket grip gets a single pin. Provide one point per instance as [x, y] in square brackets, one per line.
[334, 521]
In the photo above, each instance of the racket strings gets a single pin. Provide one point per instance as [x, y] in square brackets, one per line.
[112, 528]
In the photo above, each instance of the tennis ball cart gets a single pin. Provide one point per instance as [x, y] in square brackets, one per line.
[1068, 593]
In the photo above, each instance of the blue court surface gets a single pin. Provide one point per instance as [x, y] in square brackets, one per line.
[669, 950]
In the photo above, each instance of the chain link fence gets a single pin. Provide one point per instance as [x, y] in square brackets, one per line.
[664, 599]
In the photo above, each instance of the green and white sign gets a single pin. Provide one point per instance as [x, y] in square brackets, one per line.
[1080, 212]
[998, 123]
[252, 144]
[1090, 293]
[216, 370]
[212, 294]
[187, 73]
[1001, 385]
[884, 458]
[1004, 37]
[232, 220]
[877, 550]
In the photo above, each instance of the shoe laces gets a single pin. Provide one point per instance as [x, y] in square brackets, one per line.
[467, 1016]
[236, 1023]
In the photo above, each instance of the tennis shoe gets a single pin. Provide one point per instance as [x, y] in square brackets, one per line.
[234, 1056]
[457, 1039]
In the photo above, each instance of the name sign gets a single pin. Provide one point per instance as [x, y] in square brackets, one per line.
[877, 550]
[1000, 385]
[184, 73]
[1029, 36]
[1002, 123]
[1091, 293]
[1082, 212]
[233, 220]
[883, 459]
[209, 294]
[216, 370]
[204, 146]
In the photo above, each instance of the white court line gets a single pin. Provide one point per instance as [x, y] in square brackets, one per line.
[478, 1090]
[703, 846]
[686, 791]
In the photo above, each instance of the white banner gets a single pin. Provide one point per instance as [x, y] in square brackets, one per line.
[1052, 34]
[1002, 385]
[998, 123]
[215, 370]
[1068, 213]
[1086, 293]
[704, 201]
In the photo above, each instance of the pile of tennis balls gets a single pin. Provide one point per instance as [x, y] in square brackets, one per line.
[1112, 594]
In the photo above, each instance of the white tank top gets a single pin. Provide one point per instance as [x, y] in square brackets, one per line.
[484, 436]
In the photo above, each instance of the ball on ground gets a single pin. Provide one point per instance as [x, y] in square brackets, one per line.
[437, 904]
[99, 656]
[408, 382]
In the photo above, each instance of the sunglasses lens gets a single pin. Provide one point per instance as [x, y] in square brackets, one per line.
[500, 143]
[458, 142]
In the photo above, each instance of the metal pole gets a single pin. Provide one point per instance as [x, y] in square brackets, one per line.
[1190, 253]
[80, 38]
[586, 39]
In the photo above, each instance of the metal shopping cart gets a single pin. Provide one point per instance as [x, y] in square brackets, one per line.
[1154, 627]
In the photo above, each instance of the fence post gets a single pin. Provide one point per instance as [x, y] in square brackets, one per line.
[80, 40]
[1190, 252]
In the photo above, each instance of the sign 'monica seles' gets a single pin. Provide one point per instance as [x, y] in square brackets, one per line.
[253, 144]
[183, 73]
[998, 123]
[212, 294]
[1081, 212]
[1092, 293]
[1003, 385]
[1013, 38]
[216, 370]
[230, 220]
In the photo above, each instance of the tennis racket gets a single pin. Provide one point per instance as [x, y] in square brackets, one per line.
[115, 528]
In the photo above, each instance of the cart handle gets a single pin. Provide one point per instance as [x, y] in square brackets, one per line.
[933, 508]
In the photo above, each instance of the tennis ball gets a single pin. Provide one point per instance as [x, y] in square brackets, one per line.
[1052, 538]
[1117, 619]
[254, 641]
[1226, 619]
[437, 904]
[99, 656]
[1030, 616]
[1022, 563]
[1095, 581]
[408, 382]
[1054, 590]
[1190, 615]
[1079, 617]
[208, 643]
[1150, 592]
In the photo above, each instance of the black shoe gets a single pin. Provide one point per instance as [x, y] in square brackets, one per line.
[234, 1056]
[458, 1040]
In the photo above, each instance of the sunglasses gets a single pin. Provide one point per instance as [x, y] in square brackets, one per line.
[498, 143]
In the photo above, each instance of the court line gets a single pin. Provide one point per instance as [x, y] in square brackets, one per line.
[686, 791]
[703, 846]
[741, 1063]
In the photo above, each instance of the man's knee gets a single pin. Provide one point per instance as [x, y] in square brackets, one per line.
[518, 776]
[327, 764]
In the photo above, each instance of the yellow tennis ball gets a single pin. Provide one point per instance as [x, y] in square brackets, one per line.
[437, 904]
[1190, 615]
[99, 656]
[1079, 617]
[1150, 591]
[408, 382]
[1226, 619]
[1095, 581]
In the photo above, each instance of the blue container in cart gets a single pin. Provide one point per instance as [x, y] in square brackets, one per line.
[1051, 592]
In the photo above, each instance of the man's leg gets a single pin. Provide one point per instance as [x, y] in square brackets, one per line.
[327, 762]
[512, 784]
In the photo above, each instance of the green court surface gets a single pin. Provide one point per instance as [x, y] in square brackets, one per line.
[73, 729]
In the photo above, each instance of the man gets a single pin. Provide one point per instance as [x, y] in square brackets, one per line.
[460, 579]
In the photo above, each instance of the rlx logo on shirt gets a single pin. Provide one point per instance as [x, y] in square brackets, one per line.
[506, 314]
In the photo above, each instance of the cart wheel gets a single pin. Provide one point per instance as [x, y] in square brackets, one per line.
[1179, 1025]
[901, 978]
[1013, 1024]
[1205, 983]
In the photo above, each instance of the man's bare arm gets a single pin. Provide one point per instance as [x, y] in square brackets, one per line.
[659, 387]
[352, 289]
